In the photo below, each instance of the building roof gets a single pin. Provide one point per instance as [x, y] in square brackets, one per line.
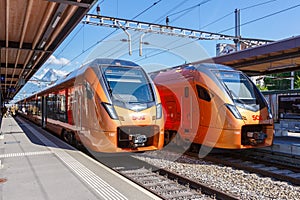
[31, 30]
[275, 57]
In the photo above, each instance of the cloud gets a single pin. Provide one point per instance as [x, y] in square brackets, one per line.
[57, 61]
[42, 73]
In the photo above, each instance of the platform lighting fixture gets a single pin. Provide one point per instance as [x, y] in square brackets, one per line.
[43, 44]
[54, 24]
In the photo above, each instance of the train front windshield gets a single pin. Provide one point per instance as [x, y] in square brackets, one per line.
[128, 85]
[242, 90]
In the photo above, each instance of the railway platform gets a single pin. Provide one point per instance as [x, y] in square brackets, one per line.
[37, 165]
[286, 144]
[285, 141]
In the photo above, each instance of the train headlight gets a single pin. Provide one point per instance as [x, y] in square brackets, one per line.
[234, 111]
[110, 110]
[158, 111]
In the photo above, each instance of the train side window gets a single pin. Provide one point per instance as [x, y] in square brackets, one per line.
[186, 92]
[203, 93]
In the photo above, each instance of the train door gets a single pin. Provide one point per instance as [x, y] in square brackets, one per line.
[186, 110]
[44, 111]
[77, 110]
[172, 112]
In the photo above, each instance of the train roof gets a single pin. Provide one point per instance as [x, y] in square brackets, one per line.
[213, 66]
[197, 66]
[94, 63]
[108, 61]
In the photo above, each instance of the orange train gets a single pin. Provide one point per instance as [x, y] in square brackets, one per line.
[106, 105]
[213, 105]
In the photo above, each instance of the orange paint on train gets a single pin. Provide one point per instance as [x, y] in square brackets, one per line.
[213, 105]
[95, 105]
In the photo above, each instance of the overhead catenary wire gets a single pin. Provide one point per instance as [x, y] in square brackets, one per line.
[167, 14]
[187, 10]
[205, 2]
[231, 13]
[198, 5]
[190, 8]
[120, 48]
[284, 10]
[145, 10]
[166, 50]
[111, 33]
[182, 11]
[263, 17]
[252, 21]
[163, 17]
[217, 20]
[260, 18]
[259, 4]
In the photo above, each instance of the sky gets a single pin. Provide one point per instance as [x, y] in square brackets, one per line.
[264, 19]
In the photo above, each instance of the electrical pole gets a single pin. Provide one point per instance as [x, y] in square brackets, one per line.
[237, 30]
[292, 80]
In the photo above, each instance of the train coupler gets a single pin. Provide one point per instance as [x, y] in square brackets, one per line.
[256, 138]
[137, 140]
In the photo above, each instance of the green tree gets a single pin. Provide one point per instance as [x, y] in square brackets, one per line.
[262, 88]
[297, 81]
[282, 81]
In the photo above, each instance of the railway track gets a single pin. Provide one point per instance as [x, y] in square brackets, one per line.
[163, 183]
[260, 162]
[188, 177]
[223, 173]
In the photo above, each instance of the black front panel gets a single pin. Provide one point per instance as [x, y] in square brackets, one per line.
[124, 132]
[253, 135]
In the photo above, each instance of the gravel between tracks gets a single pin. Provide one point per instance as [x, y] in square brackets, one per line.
[239, 183]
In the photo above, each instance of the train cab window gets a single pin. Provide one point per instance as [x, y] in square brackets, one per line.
[203, 93]
[128, 84]
[242, 90]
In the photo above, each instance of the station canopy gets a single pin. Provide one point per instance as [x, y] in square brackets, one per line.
[275, 57]
[30, 31]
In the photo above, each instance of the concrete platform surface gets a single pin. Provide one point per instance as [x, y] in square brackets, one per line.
[286, 144]
[37, 165]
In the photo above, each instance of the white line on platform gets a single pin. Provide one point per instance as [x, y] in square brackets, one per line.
[10, 155]
[99, 185]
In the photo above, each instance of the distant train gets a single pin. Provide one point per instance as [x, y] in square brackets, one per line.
[213, 105]
[106, 105]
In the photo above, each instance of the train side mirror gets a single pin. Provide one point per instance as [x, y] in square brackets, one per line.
[89, 91]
